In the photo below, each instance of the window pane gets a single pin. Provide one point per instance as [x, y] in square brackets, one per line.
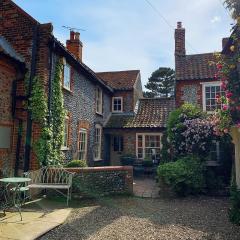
[67, 76]
[5, 137]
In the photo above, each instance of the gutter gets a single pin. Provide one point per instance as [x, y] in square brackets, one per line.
[29, 114]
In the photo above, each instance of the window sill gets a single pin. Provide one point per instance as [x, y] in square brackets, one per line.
[67, 90]
[98, 160]
[117, 111]
[100, 114]
[65, 148]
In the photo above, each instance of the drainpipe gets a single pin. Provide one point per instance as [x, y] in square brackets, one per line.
[29, 114]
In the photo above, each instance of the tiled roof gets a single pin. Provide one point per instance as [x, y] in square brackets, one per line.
[7, 49]
[151, 113]
[120, 80]
[194, 67]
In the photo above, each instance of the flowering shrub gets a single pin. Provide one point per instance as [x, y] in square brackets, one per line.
[190, 131]
[228, 75]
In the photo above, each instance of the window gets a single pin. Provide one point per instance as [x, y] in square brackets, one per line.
[210, 92]
[99, 100]
[215, 154]
[67, 76]
[5, 137]
[148, 146]
[117, 104]
[82, 144]
[117, 143]
[66, 133]
[98, 142]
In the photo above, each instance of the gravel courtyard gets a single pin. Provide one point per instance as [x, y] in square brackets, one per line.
[126, 218]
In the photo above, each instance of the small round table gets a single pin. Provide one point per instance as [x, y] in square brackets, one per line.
[14, 184]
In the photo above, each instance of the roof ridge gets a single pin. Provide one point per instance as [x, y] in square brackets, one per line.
[131, 70]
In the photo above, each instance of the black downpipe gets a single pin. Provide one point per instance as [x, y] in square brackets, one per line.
[29, 114]
[19, 140]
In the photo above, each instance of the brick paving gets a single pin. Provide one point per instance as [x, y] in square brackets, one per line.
[145, 187]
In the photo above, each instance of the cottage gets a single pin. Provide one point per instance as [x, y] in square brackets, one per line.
[107, 115]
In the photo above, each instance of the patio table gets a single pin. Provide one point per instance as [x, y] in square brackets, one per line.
[14, 185]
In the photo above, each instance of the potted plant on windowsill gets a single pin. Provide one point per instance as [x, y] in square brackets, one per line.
[127, 159]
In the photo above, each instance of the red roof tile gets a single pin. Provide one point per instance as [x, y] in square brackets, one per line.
[194, 67]
[151, 113]
[120, 80]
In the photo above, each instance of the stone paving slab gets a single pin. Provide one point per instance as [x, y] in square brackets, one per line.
[35, 223]
[145, 188]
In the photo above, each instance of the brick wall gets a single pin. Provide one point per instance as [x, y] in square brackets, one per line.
[97, 181]
[17, 27]
[189, 91]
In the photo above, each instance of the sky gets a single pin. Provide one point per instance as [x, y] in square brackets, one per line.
[132, 34]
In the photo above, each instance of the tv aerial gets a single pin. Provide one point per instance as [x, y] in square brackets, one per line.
[74, 29]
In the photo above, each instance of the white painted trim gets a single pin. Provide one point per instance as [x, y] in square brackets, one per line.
[101, 100]
[83, 130]
[204, 85]
[143, 143]
[113, 98]
[98, 158]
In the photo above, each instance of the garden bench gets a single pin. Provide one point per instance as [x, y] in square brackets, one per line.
[51, 178]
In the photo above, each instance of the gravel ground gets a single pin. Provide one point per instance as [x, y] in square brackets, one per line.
[144, 219]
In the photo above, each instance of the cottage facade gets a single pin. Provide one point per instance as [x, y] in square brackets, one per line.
[107, 116]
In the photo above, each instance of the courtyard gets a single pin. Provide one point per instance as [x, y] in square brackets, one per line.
[147, 218]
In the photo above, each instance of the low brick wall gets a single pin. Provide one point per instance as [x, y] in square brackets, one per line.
[102, 181]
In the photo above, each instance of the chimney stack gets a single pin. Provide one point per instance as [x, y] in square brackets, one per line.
[74, 45]
[180, 49]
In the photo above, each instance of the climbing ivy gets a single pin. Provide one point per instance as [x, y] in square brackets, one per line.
[57, 112]
[48, 146]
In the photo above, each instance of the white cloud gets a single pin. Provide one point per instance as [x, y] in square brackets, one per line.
[215, 19]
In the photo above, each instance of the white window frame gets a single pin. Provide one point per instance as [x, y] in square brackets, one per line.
[204, 85]
[98, 143]
[65, 146]
[84, 131]
[68, 87]
[99, 100]
[117, 98]
[143, 142]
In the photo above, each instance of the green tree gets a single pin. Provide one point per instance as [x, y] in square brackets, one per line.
[161, 83]
[234, 7]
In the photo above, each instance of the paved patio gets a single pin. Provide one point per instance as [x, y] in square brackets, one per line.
[145, 187]
[39, 217]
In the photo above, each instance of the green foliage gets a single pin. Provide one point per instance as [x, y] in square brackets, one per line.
[178, 116]
[38, 102]
[161, 83]
[234, 7]
[57, 112]
[185, 176]
[127, 159]
[165, 154]
[48, 146]
[234, 212]
[77, 163]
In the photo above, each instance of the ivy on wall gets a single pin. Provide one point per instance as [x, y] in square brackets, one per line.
[48, 146]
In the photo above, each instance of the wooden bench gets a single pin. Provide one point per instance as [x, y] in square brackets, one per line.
[51, 178]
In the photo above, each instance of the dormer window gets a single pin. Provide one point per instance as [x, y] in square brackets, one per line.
[67, 76]
[117, 104]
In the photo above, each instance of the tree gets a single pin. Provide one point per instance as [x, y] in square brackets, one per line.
[161, 83]
[234, 7]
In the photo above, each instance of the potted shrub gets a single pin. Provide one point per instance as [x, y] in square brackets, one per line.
[76, 163]
[127, 159]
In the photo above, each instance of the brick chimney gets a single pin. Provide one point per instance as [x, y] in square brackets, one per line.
[74, 45]
[180, 49]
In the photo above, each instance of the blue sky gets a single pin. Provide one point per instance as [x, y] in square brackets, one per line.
[129, 34]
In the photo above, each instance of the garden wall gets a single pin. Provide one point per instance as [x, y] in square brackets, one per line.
[95, 181]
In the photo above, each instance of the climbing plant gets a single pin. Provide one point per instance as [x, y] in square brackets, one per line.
[58, 112]
[48, 145]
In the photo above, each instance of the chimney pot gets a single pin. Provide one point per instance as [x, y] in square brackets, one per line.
[179, 25]
[77, 36]
[72, 35]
